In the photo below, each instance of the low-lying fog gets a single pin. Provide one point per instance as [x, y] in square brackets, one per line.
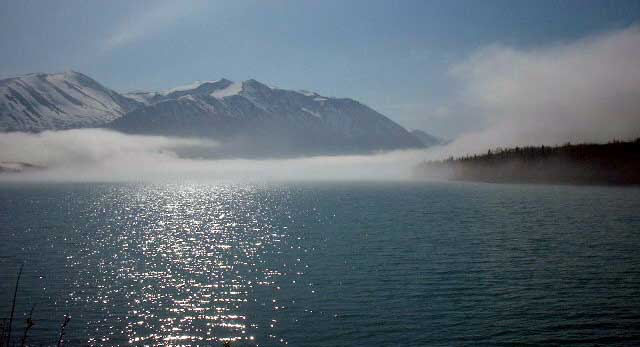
[103, 155]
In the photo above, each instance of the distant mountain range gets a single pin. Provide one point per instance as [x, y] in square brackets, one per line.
[249, 118]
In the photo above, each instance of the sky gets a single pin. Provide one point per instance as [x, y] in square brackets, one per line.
[414, 61]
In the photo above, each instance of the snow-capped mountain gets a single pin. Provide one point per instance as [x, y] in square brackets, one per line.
[253, 118]
[249, 118]
[37, 102]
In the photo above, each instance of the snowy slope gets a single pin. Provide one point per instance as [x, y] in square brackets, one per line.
[37, 102]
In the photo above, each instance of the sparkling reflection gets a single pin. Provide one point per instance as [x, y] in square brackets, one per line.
[179, 265]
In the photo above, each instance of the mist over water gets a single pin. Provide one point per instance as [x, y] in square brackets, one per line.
[103, 155]
[320, 173]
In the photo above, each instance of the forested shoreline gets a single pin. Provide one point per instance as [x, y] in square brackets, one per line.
[613, 163]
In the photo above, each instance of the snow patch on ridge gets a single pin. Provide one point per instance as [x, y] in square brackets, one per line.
[232, 89]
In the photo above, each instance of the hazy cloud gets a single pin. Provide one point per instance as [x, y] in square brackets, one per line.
[583, 91]
[150, 21]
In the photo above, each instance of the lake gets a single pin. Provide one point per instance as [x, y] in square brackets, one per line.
[323, 264]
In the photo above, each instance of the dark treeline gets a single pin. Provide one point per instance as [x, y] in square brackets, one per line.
[617, 162]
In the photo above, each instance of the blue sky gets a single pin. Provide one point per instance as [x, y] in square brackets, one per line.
[395, 56]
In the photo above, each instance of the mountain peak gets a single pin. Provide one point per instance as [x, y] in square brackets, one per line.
[256, 90]
[200, 86]
[68, 99]
[72, 73]
[252, 83]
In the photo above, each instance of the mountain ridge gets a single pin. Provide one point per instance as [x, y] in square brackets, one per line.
[252, 118]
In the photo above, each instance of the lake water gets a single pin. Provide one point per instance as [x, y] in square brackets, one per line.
[323, 264]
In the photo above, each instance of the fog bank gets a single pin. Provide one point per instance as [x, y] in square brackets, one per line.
[582, 91]
[103, 155]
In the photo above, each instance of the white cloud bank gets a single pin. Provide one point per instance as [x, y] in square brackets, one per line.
[102, 155]
[583, 91]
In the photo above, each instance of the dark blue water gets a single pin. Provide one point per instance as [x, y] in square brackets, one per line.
[323, 264]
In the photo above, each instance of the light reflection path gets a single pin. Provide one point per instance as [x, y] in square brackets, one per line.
[177, 265]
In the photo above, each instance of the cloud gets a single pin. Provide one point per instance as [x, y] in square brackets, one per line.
[102, 155]
[86, 153]
[582, 91]
[149, 22]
